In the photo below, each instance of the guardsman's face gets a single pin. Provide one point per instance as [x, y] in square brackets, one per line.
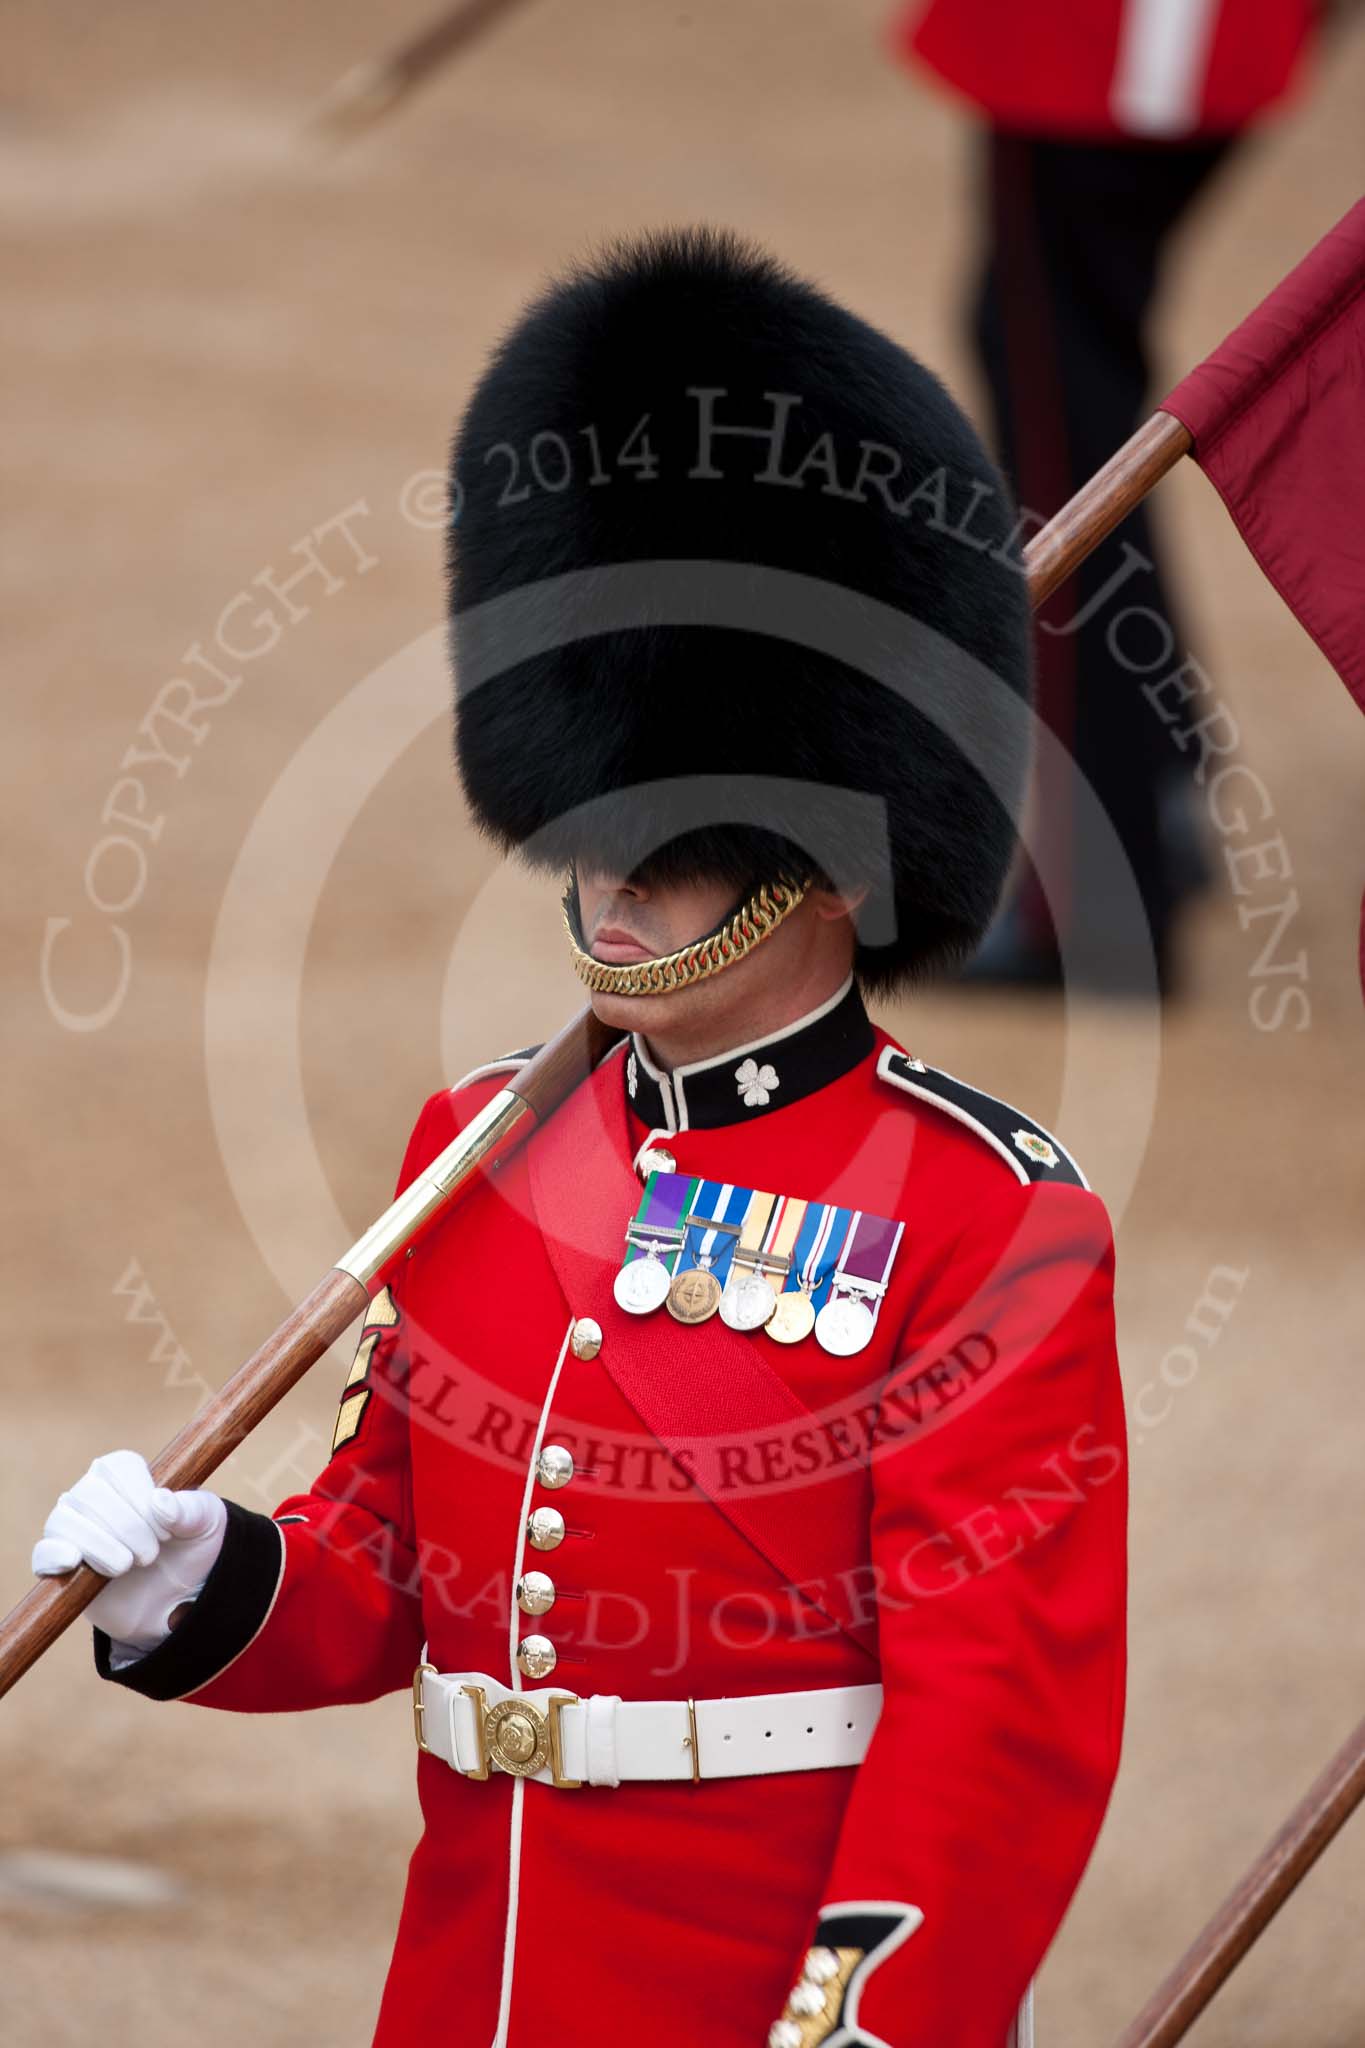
[624, 919]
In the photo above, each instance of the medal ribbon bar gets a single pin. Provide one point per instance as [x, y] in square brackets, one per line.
[846, 1322]
[694, 1293]
[793, 1316]
[819, 1248]
[749, 1298]
[654, 1240]
[659, 1219]
[776, 1260]
[717, 1212]
[868, 1257]
[760, 1211]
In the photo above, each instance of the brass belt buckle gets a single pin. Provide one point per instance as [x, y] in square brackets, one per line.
[419, 1707]
[516, 1737]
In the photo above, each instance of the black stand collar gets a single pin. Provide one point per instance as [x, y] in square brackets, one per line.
[754, 1079]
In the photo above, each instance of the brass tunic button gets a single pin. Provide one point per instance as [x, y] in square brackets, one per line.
[784, 2034]
[554, 1466]
[545, 1528]
[535, 1592]
[656, 1160]
[585, 1339]
[536, 1656]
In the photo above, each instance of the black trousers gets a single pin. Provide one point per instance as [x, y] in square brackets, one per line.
[1074, 235]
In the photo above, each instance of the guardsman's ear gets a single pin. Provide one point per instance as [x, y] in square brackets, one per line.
[851, 1941]
[832, 903]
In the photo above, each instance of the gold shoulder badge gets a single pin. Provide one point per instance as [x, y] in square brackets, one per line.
[1036, 1147]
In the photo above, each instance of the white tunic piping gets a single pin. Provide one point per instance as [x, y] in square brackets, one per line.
[509, 1945]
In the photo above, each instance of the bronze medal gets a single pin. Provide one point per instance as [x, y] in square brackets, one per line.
[693, 1295]
[793, 1318]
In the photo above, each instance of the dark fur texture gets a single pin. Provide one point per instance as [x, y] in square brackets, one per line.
[602, 742]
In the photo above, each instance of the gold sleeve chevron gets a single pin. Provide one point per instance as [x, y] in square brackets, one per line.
[381, 1315]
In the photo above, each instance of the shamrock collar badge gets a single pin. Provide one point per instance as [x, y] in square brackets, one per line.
[755, 1083]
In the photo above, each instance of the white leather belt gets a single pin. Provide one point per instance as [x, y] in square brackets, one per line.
[475, 1724]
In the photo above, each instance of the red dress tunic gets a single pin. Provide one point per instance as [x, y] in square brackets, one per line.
[948, 1519]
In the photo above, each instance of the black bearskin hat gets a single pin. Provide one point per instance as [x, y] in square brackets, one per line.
[736, 592]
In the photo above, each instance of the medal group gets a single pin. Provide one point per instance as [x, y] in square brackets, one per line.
[790, 1268]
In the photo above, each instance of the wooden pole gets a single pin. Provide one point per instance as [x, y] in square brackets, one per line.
[253, 1390]
[372, 89]
[1103, 503]
[1253, 1904]
[231, 1414]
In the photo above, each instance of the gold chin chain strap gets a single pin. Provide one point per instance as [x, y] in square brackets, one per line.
[754, 921]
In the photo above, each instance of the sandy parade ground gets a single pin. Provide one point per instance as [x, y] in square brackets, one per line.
[219, 340]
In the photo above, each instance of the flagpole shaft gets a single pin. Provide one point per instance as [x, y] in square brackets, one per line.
[1250, 1907]
[1102, 503]
[230, 1414]
[371, 89]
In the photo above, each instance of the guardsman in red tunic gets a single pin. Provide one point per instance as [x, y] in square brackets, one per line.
[1100, 130]
[736, 1480]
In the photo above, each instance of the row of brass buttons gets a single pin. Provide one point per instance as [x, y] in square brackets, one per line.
[535, 1591]
[536, 1655]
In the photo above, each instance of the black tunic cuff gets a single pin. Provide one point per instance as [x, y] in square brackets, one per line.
[236, 1597]
[850, 1941]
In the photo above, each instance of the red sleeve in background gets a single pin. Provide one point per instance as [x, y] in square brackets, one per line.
[1053, 69]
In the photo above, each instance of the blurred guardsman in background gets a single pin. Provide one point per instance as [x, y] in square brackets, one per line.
[739, 1475]
[1103, 124]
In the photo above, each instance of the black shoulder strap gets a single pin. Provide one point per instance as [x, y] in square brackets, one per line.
[1031, 1152]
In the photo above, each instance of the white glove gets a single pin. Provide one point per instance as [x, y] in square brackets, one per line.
[156, 1547]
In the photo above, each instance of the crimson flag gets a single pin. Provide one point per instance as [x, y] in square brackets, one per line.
[1278, 419]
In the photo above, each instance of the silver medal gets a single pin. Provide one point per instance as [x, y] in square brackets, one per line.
[747, 1303]
[642, 1286]
[844, 1325]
